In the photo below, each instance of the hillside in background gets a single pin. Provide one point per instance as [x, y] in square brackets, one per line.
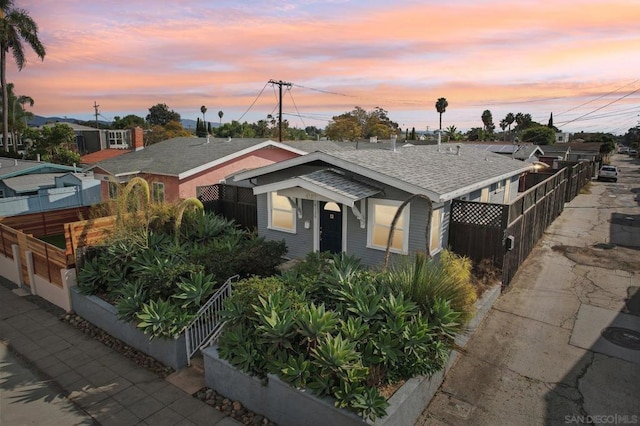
[38, 121]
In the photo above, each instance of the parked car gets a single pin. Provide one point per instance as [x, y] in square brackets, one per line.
[608, 173]
[623, 150]
[633, 152]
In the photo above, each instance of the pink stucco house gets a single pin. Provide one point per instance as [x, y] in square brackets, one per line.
[176, 167]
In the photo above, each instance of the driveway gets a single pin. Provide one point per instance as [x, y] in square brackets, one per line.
[562, 344]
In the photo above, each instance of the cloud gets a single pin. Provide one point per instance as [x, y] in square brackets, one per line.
[400, 56]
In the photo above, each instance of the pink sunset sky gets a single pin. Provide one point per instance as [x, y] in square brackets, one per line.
[579, 60]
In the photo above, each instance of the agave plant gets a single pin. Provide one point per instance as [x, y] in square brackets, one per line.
[131, 298]
[195, 290]
[276, 323]
[314, 322]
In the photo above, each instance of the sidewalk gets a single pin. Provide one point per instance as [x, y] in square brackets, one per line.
[109, 388]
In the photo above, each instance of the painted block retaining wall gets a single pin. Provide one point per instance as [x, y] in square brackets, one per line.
[287, 405]
[171, 352]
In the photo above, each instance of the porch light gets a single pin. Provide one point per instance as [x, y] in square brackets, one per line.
[332, 207]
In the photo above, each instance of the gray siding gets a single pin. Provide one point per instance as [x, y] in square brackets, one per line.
[357, 237]
[298, 244]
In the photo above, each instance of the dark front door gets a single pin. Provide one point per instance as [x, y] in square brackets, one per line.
[330, 229]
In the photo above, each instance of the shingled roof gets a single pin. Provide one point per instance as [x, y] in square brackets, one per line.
[181, 156]
[441, 172]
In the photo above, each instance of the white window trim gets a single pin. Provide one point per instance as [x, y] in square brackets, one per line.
[507, 192]
[270, 217]
[406, 214]
[439, 212]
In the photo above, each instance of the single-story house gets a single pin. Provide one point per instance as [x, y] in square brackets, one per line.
[525, 152]
[34, 186]
[176, 167]
[344, 201]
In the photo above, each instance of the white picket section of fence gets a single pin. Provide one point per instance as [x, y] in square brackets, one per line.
[207, 322]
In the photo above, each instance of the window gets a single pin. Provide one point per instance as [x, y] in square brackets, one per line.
[117, 139]
[282, 215]
[157, 192]
[1, 193]
[381, 213]
[113, 190]
[434, 243]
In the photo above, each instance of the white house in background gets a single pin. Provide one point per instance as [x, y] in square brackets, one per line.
[344, 201]
[562, 137]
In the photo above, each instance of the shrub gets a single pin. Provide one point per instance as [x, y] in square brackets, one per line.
[362, 336]
[425, 282]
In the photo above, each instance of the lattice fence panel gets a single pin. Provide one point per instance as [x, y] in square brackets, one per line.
[209, 193]
[477, 213]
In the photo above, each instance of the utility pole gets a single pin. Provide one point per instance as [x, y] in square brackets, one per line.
[95, 107]
[280, 83]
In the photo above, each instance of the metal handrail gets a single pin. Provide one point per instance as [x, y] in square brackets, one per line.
[207, 322]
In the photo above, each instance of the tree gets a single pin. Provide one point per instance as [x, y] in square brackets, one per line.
[54, 144]
[344, 127]
[220, 114]
[128, 121]
[441, 107]
[509, 119]
[173, 129]
[538, 135]
[16, 26]
[203, 110]
[160, 115]
[452, 133]
[487, 120]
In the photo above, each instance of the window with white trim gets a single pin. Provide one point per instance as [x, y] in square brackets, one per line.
[436, 222]
[118, 139]
[1, 193]
[157, 192]
[282, 215]
[380, 216]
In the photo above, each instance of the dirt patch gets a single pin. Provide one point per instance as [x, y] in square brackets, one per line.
[609, 257]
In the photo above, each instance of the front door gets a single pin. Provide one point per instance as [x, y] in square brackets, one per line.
[330, 229]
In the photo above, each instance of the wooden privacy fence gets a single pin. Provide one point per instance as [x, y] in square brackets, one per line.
[232, 202]
[47, 259]
[45, 224]
[86, 233]
[483, 231]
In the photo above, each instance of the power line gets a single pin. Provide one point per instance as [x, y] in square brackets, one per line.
[295, 106]
[254, 102]
[603, 106]
[599, 97]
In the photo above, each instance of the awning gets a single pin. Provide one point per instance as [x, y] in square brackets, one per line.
[324, 185]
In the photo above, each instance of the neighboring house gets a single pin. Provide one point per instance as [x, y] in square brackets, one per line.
[562, 137]
[33, 186]
[99, 144]
[176, 167]
[344, 201]
[524, 152]
[555, 153]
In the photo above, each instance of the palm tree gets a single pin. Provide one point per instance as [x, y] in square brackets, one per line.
[203, 110]
[509, 119]
[16, 26]
[220, 114]
[441, 107]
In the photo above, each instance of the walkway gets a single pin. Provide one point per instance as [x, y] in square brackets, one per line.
[102, 384]
[539, 358]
